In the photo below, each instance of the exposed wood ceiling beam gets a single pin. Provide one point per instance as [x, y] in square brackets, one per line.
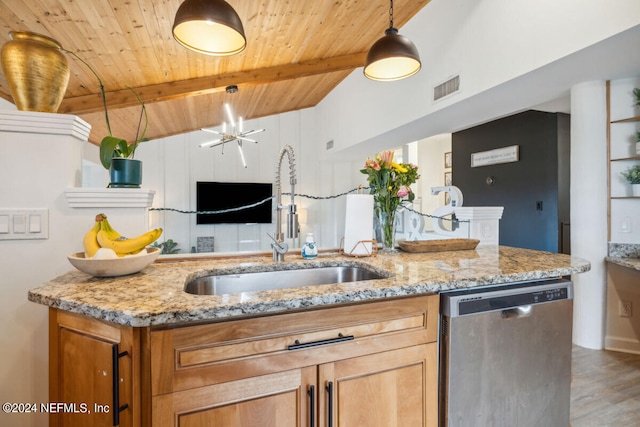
[210, 84]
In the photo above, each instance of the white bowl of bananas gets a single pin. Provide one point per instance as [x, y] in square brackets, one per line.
[112, 267]
[108, 254]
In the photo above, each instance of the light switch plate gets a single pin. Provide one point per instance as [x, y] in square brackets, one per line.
[625, 225]
[19, 223]
[4, 224]
[24, 224]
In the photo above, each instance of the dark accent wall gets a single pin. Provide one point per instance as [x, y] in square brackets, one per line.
[534, 191]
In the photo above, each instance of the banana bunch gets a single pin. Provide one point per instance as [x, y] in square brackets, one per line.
[102, 235]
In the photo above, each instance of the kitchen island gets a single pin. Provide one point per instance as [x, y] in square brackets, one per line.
[295, 356]
[155, 296]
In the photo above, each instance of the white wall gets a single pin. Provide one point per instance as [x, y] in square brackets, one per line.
[489, 43]
[173, 165]
[35, 168]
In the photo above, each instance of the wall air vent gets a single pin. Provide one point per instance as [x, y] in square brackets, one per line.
[330, 145]
[447, 88]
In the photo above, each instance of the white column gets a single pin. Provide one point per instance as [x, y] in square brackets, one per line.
[589, 210]
[41, 156]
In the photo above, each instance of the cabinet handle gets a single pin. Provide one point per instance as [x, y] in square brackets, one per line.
[330, 403]
[298, 345]
[312, 405]
[115, 358]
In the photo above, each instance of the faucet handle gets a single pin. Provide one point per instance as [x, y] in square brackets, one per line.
[280, 247]
[273, 238]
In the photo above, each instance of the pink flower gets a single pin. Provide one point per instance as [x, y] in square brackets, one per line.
[372, 164]
[386, 157]
[403, 191]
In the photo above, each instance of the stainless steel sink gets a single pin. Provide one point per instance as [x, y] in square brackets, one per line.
[268, 280]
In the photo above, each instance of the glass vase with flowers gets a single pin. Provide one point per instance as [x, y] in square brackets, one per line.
[389, 182]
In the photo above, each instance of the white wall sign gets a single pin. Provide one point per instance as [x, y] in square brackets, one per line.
[492, 157]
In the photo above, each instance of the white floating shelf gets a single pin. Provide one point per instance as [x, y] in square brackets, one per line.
[109, 197]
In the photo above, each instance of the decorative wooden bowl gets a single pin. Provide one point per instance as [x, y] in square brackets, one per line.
[438, 245]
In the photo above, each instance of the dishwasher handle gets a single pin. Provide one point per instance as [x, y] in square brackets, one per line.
[517, 312]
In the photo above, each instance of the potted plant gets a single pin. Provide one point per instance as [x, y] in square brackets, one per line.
[168, 247]
[632, 175]
[116, 154]
[636, 92]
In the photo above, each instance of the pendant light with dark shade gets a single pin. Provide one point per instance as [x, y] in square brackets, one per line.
[211, 27]
[392, 57]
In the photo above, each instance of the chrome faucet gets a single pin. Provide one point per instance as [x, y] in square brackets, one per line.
[279, 246]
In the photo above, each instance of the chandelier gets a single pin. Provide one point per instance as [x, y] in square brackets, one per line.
[235, 133]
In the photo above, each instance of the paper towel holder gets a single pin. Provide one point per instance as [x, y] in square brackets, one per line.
[372, 252]
[367, 252]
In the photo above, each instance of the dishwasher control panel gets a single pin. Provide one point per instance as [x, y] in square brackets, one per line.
[460, 303]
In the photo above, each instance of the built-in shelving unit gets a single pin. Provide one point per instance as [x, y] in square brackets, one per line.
[623, 122]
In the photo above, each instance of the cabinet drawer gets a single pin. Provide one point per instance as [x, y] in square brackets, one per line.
[195, 356]
[273, 400]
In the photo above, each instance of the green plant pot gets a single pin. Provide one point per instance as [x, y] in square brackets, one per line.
[125, 173]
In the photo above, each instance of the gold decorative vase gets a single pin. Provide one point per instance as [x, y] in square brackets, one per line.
[37, 71]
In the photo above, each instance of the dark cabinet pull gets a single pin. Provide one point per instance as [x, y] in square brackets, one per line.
[115, 358]
[330, 403]
[312, 405]
[298, 345]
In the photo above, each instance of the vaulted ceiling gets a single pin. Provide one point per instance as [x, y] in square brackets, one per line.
[297, 52]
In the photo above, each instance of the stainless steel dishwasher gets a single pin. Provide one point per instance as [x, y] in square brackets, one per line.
[505, 355]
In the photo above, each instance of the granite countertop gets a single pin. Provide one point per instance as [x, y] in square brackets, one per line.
[633, 263]
[155, 296]
[624, 254]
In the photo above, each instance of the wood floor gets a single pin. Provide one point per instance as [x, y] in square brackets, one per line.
[606, 389]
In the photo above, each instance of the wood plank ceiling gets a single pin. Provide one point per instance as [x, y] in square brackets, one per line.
[297, 52]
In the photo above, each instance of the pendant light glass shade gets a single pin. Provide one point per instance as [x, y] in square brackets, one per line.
[393, 57]
[211, 27]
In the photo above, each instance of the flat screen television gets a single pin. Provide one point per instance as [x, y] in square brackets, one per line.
[216, 196]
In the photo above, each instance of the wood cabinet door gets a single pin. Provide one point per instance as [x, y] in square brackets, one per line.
[391, 389]
[86, 358]
[275, 400]
[85, 380]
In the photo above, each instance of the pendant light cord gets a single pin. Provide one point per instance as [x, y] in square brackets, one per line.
[391, 15]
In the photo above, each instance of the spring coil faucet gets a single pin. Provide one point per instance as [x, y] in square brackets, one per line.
[279, 246]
